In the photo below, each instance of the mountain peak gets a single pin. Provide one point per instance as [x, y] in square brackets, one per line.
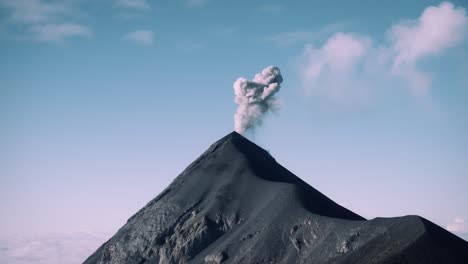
[236, 204]
[239, 143]
[230, 137]
[233, 134]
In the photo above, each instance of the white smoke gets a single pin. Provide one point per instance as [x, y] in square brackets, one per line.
[255, 98]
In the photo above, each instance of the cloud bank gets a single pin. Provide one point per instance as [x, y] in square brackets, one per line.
[50, 248]
[256, 98]
[347, 63]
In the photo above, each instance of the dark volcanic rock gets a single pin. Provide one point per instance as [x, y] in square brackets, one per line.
[236, 204]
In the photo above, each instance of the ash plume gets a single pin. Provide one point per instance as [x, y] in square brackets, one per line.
[255, 98]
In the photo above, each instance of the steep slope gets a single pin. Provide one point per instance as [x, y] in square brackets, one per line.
[236, 204]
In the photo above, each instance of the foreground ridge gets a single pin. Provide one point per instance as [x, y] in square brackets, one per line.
[236, 204]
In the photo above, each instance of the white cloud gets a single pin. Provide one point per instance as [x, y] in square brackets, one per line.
[142, 37]
[32, 11]
[135, 4]
[50, 248]
[437, 29]
[458, 225]
[328, 71]
[345, 67]
[42, 20]
[58, 32]
[342, 51]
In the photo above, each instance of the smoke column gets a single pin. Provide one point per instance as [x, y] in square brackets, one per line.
[255, 98]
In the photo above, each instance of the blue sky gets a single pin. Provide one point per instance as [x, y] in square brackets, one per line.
[103, 103]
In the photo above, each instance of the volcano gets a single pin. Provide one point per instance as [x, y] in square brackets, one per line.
[236, 204]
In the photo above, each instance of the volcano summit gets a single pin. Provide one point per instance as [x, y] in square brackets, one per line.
[236, 204]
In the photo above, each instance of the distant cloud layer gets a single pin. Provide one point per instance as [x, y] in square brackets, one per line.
[350, 58]
[142, 37]
[50, 249]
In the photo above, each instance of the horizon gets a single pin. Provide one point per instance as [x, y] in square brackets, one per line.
[103, 104]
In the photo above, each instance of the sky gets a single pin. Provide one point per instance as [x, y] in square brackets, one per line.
[104, 103]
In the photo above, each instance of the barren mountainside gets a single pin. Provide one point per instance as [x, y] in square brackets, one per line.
[236, 204]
